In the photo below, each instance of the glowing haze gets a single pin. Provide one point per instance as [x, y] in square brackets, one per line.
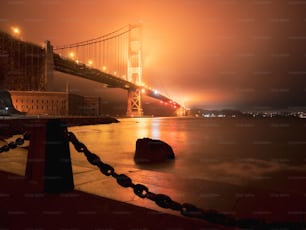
[207, 53]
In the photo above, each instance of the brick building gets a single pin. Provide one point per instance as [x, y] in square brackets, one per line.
[55, 103]
[92, 106]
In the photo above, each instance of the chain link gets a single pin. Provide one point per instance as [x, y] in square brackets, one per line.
[14, 144]
[162, 200]
[165, 201]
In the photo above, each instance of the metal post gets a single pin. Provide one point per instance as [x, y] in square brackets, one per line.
[48, 66]
[49, 163]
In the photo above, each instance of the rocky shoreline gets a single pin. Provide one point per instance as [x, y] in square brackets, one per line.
[12, 125]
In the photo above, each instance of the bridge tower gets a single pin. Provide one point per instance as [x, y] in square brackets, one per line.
[134, 70]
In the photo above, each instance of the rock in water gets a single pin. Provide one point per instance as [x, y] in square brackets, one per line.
[152, 151]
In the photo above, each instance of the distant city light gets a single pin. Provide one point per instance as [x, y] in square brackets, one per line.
[143, 90]
[90, 62]
[156, 92]
[104, 68]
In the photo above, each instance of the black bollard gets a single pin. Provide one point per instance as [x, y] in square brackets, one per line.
[49, 162]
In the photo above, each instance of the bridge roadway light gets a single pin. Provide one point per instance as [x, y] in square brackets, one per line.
[72, 55]
[16, 31]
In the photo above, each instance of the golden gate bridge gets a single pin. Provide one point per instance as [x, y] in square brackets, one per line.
[114, 59]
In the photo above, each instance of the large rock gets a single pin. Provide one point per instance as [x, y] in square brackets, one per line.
[152, 151]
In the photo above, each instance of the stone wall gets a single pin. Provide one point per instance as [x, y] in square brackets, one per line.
[55, 103]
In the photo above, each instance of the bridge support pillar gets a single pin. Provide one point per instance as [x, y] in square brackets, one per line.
[134, 107]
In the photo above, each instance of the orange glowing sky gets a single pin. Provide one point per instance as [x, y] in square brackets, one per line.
[208, 53]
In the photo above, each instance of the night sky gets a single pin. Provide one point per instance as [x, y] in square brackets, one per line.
[248, 55]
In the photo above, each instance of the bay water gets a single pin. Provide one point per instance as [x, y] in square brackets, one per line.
[218, 161]
[233, 150]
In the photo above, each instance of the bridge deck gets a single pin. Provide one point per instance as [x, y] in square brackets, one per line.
[71, 67]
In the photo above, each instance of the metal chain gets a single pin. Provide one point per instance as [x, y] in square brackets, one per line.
[14, 144]
[165, 201]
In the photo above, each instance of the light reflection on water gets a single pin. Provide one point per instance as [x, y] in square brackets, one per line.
[226, 150]
[218, 162]
[115, 143]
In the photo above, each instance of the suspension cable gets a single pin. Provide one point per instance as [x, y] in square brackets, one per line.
[102, 38]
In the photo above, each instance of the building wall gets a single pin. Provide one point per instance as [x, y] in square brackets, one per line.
[55, 103]
[75, 104]
[40, 103]
[92, 106]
